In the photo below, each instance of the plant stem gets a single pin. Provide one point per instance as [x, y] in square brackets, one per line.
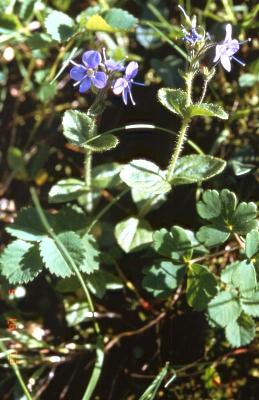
[17, 373]
[99, 342]
[183, 131]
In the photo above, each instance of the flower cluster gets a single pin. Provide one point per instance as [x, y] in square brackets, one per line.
[96, 71]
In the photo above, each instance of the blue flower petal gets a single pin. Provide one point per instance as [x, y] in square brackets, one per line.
[78, 73]
[112, 65]
[131, 70]
[91, 59]
[99, 80]
[125, 95]
[119, 85]
[85, 85]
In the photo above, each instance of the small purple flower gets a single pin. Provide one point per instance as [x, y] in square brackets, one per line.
[193, 36]
[226, 50]
[112, 65]
[123, 85]
[86, 74]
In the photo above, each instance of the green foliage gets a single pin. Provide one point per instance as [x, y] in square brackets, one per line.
[66, 190]
[152, 390]
[76, 127]
[207, 110]
[77, 312]
[145, 176]
[173, 99]
[201, 286]
[250, 305]
[59, 26]
[196, 168]
[252, 243]
[16, 161]
[162, 277]
[175, 244]
[224, 308]
[120, 19]
[132, 233]
[106, 176]
[240, 332]
[101, 143]
[225, 217]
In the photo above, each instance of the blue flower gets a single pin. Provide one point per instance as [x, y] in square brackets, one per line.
[193, 36]
[123, 85]
[226, 50]
[86, 74]
[112, 65]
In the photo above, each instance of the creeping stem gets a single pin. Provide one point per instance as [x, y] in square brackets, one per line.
[185, 123]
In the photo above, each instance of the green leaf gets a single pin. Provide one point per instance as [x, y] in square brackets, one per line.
[28, 226]
[77, 312]
[244, 219]
[54, 258]
[91, 255]
[106, 176]
[201, 286]
[16, 161]
[224, 308]
[20, 262]
[211, 236]
[66, 190]
[101, 143]
[145, 176]
[59, 26]
[163, 277]
[240, 332]
[244, 278]
[146, 203]
[207, 110]
[98, 23]
[151, 391]
[47, 92]
[120, 19]
[251, 305]
[76, 127]
[26, 10]
[196, 168]
[252, 243]
[132, 233]
[102, 280]
[173, 99]
[173, 244]
[70, 218]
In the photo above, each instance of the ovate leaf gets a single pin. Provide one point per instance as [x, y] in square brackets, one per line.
[207, 110]
[196, 168]
[173, 244]
[76, 127]
[132, 233]
[59, 26]
[66, 190]
[20, 262]
[201, 286]
[106, 176]
[240, 332]
[102, 143]
[224, 308]
[145, 176]
[252, 243]
[173, 99]
[120, 19]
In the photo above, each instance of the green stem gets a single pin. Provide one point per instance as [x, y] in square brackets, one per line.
[183, 131]
[17, 372]
[204, 90]
[99, 342]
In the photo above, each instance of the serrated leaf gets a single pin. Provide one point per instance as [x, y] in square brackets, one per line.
[120, 19]
[101, 143]
[98, 23]
[173, 244]
[76, 127]
[196, 168]
[252, 243]
[106, 176]
[201, 286]
[66, 190]
[91, 259]
[20, 262]
[224, 308]
[251, 305]
[132, 233]
[145, 176]
[162, 277]
[240, 332]
[207, 110]
[55, 259]
[70, 218]
[59, 26]
[173, 99]
[28, 226]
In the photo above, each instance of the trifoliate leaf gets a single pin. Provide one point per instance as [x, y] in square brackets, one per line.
[132, 233]
[196, 168]
[252, 243]
[76, 127]
[163, 277]
[173, 244]
[59, 26]
[224, 308]
[251, 305]
[66, 190]
[201, 286]
[207, 110]
[240, 332]
[244, 278]
[20, 262]
[173, 99]
[145, 176]
[120, 19]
